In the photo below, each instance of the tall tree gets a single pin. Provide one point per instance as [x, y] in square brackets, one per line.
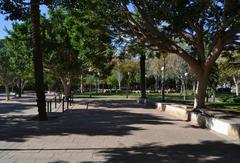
[90, 35]
[230, 69]
[6, 69]
[19, 44]
[60, 59]
[207, 28]
[21, 10]
[37, 59]
[75, 40]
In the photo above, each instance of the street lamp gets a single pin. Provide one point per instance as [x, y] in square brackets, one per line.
[163, 78]
[98, 75]
[128, 82]
[185, 86]
[145, 85]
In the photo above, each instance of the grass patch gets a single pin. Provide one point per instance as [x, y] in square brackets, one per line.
[226, 106]
[107, 95]
[171, 97]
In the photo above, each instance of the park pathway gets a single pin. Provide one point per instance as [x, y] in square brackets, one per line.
[111, 131]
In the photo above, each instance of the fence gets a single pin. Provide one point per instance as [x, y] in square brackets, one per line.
[63, 102]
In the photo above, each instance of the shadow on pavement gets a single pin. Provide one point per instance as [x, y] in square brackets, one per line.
[114, 104]
[84, 122]
[207, 151]
[204, 152]
[14, 107]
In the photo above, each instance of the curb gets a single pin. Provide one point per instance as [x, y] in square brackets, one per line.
[218, 125]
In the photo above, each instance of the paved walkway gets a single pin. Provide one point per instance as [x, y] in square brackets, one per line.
[111, 131]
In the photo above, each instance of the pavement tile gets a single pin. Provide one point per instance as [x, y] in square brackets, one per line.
[111, 131]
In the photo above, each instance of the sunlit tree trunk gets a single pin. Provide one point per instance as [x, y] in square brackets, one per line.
[37, 60]
[24, 82]
[7, 92]
[19, 87]
[236, 85]
[81, 86]
[66, 83]
[199, 101]
[156, 82]
[119, 78]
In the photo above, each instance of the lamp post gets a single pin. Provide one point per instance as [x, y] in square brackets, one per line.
[128, 83]
[185, 86]
[163, 86]
[145, 85]
[163, 75]
[98, 75]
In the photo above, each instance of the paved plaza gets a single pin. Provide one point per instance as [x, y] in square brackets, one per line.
[107, 131]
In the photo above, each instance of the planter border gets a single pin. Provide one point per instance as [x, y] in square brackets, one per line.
[218, 125]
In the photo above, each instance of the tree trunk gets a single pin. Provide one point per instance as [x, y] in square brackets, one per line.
[199, 101]
[98, 85]
[7, 92]
[119, 81]
[156, 83]
[236, 85]
[66, 87]
[194, 87]
[182, 87]
[24, 82]
[37, 60]
[163, 79]
[184, 90]
[19, 87]
[81, 86]
[96, 90]
[143, 78]
[119, 85]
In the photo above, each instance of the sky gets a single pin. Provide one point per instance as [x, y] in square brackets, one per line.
[6, 24]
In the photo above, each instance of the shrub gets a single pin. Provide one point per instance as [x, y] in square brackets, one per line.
[234, 99]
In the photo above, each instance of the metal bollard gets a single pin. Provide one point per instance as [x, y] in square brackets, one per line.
[50, 105]
[47, 106]
[55, 101]
[67, 102]
[70, 100]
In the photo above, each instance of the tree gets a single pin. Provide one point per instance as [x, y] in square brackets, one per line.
[75, 40]
[117, 72]
[19, 44]
[179, 69]
[136, 48]
[60, 59]
[91, 37]
[20, 10]
[37, 59]
[229, 66]
[207, 28]
[6, 70]
[154, 69]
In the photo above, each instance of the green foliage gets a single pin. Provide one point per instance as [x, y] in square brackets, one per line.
[113, 78]
[60, 58]
[76, 42]
[229, 66]
[19, 45]
[213, 78]
[234, 99]
[90, 36]
[6, 70]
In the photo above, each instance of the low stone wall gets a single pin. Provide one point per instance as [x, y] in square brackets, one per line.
[221, 126]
